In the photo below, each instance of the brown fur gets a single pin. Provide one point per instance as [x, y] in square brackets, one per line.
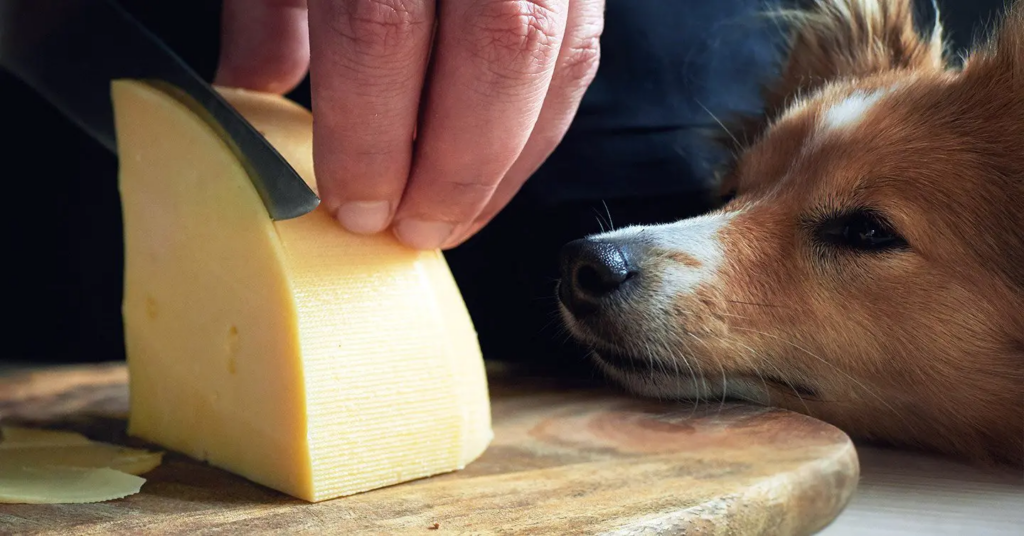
[934, 337]
[921, 348]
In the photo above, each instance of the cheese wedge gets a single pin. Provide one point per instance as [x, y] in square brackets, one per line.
[313, 361]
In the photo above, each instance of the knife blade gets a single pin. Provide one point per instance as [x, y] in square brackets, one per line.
[69, 51]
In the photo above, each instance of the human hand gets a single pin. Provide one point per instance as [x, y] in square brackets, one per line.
[429, 133]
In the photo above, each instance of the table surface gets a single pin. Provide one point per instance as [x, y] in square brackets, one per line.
[567, 458]
[903, 493]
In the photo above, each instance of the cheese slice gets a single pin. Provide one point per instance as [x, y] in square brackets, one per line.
[39, 466]
[93, 455]
[31, 447]
[54, 484]
[304, 358]
[24, 437]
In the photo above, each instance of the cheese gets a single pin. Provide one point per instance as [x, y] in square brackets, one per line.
[20, 437]
[59, 467]
[94, 455]
[313, 361]
[29, 447]
[54, 484]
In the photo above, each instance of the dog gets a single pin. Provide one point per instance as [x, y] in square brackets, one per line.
[869, 268]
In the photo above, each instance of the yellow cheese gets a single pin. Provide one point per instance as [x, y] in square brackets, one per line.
[22, 437]
[304, 358]
[94, 455]
[55, 484]
[58, 467]
[29, 447]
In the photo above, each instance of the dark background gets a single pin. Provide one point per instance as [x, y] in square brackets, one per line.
[637, 147]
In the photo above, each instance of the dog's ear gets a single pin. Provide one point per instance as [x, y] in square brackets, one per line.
[831, 40]
[988, 95]
[998, 64]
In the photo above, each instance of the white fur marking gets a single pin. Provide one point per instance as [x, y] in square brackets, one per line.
[696, 237]
[850, 112]
[699, 239]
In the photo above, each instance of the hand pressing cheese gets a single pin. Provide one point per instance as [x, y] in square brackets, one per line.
[304, 358]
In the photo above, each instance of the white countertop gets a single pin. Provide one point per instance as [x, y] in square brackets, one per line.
[904, 494]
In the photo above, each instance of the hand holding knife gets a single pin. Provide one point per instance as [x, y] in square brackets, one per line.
[70, 50]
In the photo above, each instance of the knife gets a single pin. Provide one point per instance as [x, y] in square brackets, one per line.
[70, 51]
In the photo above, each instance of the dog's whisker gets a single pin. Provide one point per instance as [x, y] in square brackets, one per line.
[756, 304]
[676, 359]
[692, 377]
[650, 356]
[782, 377]
[608, 213]
[700, 370]
[599, 218]
[720, 123]
[725, 389]
[816, 273]
[731, 315]
[837, 369]
[757, 370]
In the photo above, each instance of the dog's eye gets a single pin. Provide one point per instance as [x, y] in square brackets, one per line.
[861, 230]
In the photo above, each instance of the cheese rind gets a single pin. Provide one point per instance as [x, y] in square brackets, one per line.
[313, 361]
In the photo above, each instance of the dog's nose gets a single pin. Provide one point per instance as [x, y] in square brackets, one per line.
[592, 270]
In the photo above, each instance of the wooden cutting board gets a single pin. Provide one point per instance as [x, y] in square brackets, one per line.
[566, 459]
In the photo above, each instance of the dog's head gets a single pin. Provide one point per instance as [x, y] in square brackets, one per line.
[869, 270]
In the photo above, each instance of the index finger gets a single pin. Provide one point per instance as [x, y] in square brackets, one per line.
[264, 45]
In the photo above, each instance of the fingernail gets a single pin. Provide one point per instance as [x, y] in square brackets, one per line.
[460, 237]
[421, 234]
[364, 217]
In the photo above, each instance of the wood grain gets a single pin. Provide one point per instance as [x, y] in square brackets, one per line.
[566, 459]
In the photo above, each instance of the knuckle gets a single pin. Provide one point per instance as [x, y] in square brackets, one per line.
[451, 200]
[582, 57]
[448, 200]
[471, 191]
[515, 38]
[378, 28]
